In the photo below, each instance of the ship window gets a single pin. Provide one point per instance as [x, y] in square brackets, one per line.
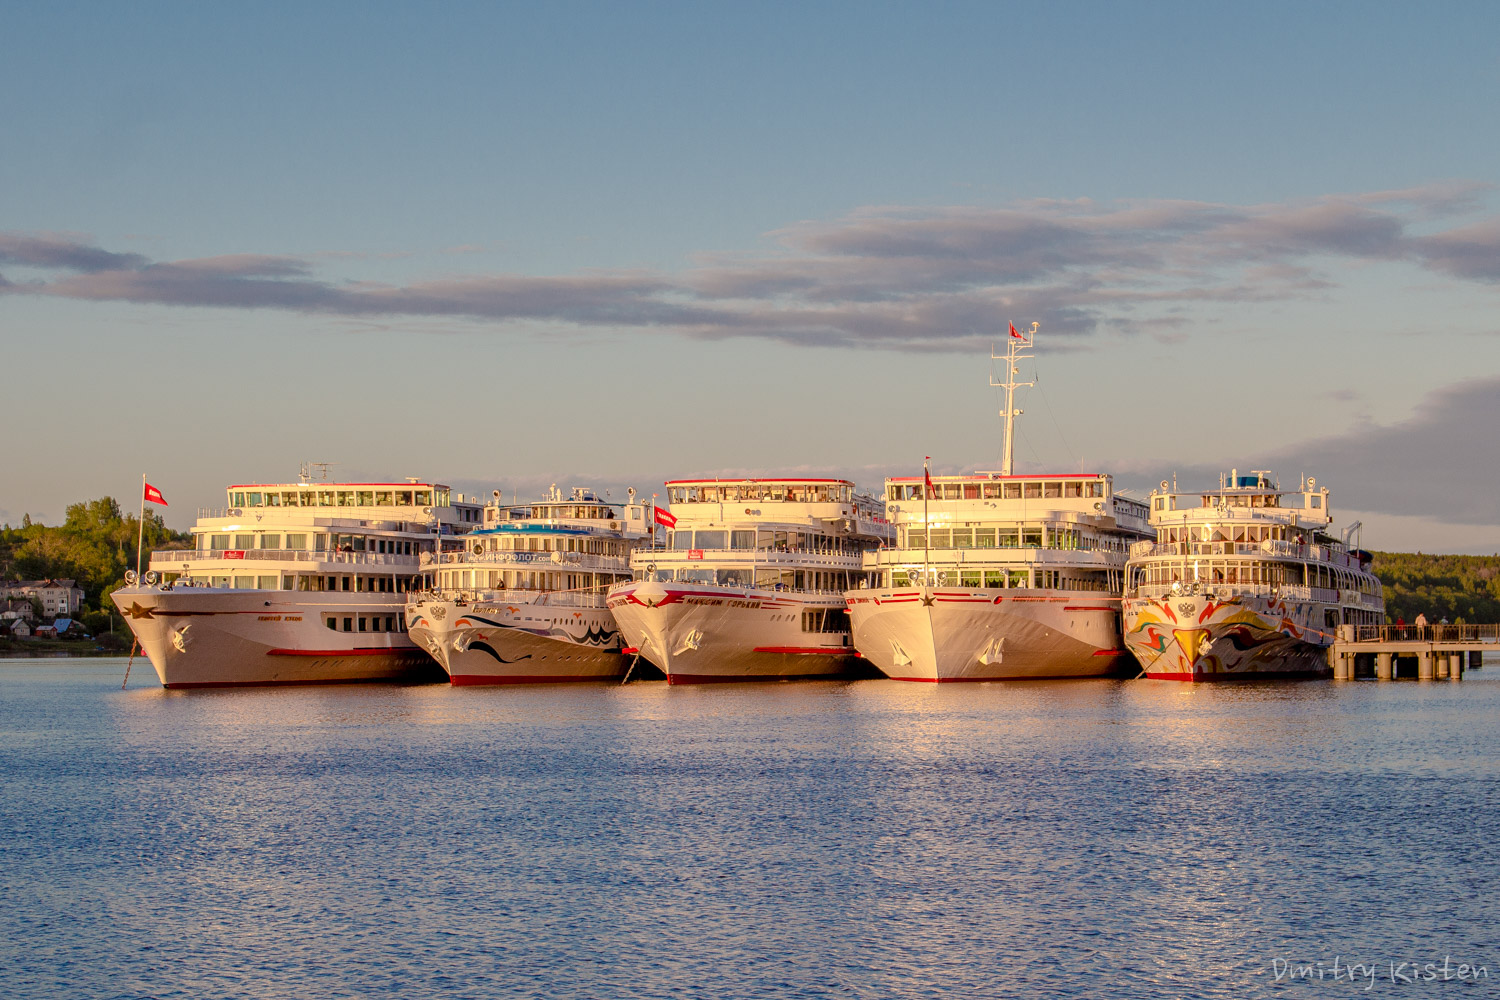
[994, 578]
[298, 541]
[333, 623]
[984, 538]
[1052, 490]
[742, 539]
[384, 498]
[422, 498]
[244, 583]
[364, 498]
[218, 542]
[1009, 538]
[963, 538]
[971, 491]
[1072, 489]
[1032, 490]
[1317, 501]
[1096, 489]
[270, 541]
[893, 493]
[1012, 491]
[711, 539]
[254, 500]
[1031, 538]
[273, 499]
[992, 491]
[971, 578]
[916, 539]
[940, 538]
[244, 541]
[363, 623]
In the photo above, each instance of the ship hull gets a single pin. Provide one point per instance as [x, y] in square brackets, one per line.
[214, 637]
[518, 642]
[699, 634]
[1206, 638]
[940, 635]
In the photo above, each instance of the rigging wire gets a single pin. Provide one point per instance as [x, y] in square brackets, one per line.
[1053, 417]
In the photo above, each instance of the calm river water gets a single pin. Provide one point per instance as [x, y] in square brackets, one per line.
[864, 839]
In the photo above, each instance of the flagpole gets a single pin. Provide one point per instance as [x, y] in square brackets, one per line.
[140, 534]
[926, 524]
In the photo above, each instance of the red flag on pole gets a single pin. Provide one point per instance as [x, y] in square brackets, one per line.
[663, 517]
[1015, 333]
[927, 476]
[154, 495]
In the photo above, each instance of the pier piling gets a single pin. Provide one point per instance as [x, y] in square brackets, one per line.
[1442, 652]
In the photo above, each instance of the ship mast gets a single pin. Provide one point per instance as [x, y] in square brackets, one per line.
[1015, 343]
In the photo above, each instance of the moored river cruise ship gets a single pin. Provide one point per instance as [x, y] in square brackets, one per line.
[749, 584]
[997, 576]
[293, 583]
[1244, 581]
[524, 601]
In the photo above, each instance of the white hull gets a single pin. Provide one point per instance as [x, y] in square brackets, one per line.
[216, 637]
[517, 642]
[697, 633]
[1204, 638]
[952, 634]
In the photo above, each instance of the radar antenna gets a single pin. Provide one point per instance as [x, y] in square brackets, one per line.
[1015, 343]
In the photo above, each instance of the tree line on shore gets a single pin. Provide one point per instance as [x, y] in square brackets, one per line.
[95, 545]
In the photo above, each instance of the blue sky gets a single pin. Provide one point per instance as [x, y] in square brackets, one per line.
[507, 245]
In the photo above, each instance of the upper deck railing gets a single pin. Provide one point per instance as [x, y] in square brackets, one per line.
[174, 556]
[1270, 547]
[557, 560]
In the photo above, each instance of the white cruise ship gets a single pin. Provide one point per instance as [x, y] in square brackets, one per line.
[749, 585]
[997, 576]
[292, 583]
[524, 600]
[1244, 581]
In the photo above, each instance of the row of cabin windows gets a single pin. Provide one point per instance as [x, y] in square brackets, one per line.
[1226, 533]
[343, 583]
[1038, 490]
[1046, 579]
[768, 492]
[1255, 573]
[339, 498]
[1006, 538]
[526, 543]
[297, 541]
[366, 623]
[762, 539]
[831, 581]
[493, 579]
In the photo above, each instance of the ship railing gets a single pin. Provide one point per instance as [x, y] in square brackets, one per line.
[1274, 547]
[1427, 633]
[749, 557]
[585, 561]
[1224, 590]
[531, 598]
[999, 556]
[173, 556]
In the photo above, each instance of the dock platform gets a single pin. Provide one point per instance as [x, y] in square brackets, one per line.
[1428, 653]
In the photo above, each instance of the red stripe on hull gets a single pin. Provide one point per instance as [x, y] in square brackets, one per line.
[746, 678]
[360, 651]
[298, 683]
[478, 680]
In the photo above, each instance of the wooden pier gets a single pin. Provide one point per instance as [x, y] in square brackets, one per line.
[1428, 653]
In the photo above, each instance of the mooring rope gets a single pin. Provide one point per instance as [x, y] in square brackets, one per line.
[133, 644]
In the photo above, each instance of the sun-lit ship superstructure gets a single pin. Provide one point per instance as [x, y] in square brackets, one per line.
[524, 601]
[301, 582]
[749, 584]
[998, 576]
[1244, 581]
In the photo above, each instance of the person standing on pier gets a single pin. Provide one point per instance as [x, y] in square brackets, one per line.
[1421, 624]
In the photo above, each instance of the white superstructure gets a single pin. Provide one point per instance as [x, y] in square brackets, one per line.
[749, 584]
[524, 599]
[299, 582]
[1244, 581]
[997, 576]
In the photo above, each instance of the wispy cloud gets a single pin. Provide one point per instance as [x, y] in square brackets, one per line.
[884, 277]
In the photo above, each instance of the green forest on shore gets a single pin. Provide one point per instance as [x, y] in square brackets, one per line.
[94, 546]
[96, 542]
